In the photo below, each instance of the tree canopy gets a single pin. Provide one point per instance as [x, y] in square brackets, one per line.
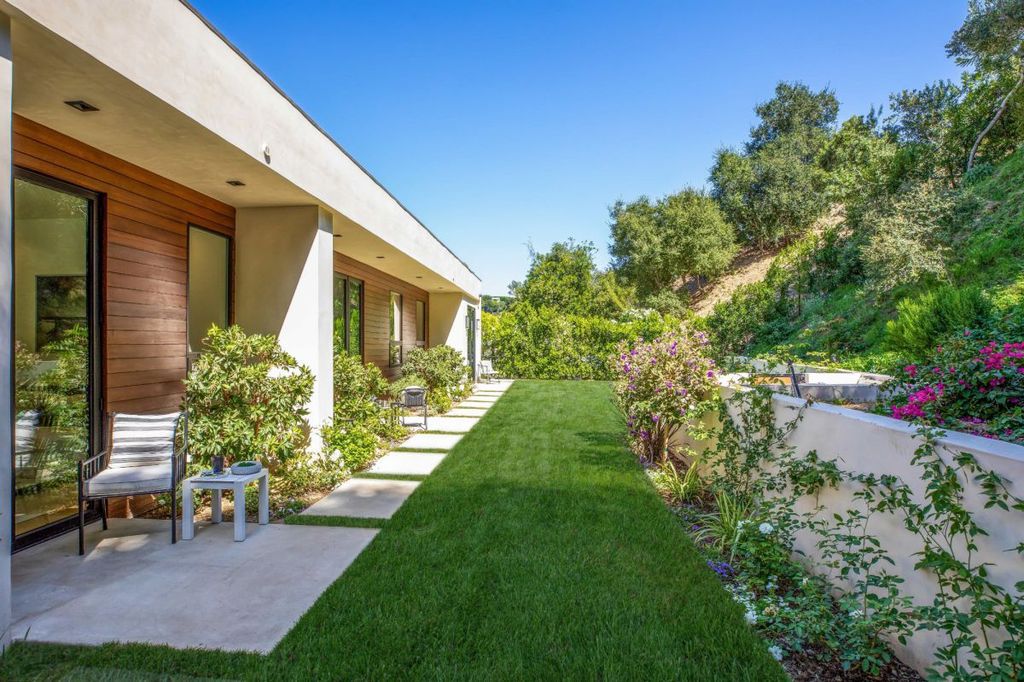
[658, 244]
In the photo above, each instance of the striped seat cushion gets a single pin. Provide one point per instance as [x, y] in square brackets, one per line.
[142, 439]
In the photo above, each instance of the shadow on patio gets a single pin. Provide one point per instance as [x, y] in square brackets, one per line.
[134, 586]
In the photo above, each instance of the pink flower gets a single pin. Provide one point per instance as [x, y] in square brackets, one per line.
[911, 370]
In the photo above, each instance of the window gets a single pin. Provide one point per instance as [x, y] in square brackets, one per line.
[348, 310]
[209, 284]
[395, 330]
[421, 323]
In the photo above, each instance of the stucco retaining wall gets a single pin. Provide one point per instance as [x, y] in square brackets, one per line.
[867, 443]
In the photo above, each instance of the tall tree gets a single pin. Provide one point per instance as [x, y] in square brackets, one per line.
[991, 39]
[562, 278]
[794, 110]
[656, 245]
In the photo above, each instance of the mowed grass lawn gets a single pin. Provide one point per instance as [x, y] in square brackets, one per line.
[537, 550]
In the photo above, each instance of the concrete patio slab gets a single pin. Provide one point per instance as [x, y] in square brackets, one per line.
[450, 424]
[466, 412]
[134, 586]
[415, 463]
[369, 498]
[430, 441]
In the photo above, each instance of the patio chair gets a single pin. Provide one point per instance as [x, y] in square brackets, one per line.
[487, 372]
[141, 460]
[411, 397]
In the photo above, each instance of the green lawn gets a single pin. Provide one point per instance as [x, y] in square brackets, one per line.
[537, 550]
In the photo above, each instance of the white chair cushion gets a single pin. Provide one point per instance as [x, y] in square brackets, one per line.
[130, 480]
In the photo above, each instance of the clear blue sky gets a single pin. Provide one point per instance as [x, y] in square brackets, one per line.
[502, 123]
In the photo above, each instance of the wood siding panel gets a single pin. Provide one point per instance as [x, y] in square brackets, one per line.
[376, 299]
[144, 260]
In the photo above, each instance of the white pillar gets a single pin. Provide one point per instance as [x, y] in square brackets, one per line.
[6, 328]
[284, 285]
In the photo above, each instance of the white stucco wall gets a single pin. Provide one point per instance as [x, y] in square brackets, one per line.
[448, 322]
[284, 286]
[870, 443]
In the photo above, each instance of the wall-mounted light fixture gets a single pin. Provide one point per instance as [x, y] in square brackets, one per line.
[235, 183]
[81, 105]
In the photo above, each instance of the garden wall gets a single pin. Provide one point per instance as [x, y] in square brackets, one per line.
[867, 443]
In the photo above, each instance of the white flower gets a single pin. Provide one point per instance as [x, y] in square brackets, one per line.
[766, 528]
[856, 613]
[751, 616]
[776, 651]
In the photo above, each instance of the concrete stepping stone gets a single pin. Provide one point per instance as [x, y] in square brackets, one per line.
[450, 424]
[430, 441]
[371, 498]
[462, 412]
[407, 463]
[485, 399]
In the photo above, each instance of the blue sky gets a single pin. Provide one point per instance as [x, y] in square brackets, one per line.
[505, 123]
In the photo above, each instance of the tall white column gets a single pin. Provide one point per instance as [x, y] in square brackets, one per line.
[6, 327]
[284, 285]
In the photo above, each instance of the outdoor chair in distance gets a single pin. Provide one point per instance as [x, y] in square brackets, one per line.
[141, 460]
[411, 397]
[487, 372]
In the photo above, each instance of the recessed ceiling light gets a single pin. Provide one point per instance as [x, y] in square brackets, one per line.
[81, 105]
[337, 236]
[380, 257]
[419, 276]
[235, 183]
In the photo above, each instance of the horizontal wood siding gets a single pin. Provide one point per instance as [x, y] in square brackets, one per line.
[145, 267]
[376, 296]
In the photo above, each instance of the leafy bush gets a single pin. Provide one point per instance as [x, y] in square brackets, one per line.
[353, 443]
[662, 385]
[246, 399]
[356, 388]
[968, 384]
[545, 343]
[441, 370]
[906, 244]
[924, 322]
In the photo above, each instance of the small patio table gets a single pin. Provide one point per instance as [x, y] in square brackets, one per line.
[216, 484]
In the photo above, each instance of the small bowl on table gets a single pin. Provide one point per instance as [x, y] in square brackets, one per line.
[245, 468]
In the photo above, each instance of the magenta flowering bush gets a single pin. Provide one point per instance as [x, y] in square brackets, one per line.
[969, 384]
[663, 384]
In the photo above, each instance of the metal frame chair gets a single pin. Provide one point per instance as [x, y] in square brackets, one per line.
[486, 371]
[413, 396]
[88, 469]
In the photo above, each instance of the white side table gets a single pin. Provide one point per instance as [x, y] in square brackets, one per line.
[218, 484]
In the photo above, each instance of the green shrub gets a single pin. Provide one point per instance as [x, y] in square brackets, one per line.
[356, 386]
[246, 399]
[926, 321]
[545, 343]
[353, 443]
[441, 370]
[906, 244]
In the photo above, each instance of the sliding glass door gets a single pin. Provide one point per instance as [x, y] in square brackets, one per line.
[55, 394]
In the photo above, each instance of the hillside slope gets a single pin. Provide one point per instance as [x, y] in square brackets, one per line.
[845, 322]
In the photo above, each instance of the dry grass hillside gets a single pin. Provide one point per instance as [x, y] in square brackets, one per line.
[750, 265]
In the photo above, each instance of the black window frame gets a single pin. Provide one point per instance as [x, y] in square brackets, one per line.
[392, 341]
[345, 281]
[96, 281]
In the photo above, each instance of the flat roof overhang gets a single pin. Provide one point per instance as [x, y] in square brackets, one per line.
[178, 100]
